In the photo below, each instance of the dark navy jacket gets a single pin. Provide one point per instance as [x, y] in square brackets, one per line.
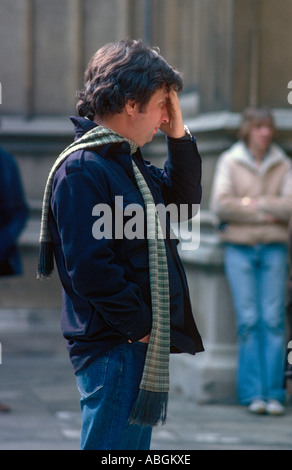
[13, 214]
[106, 292]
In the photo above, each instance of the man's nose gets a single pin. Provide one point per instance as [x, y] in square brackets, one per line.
[165, 115]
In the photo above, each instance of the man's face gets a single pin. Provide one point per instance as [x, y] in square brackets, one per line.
[261, 136]
[147, 122]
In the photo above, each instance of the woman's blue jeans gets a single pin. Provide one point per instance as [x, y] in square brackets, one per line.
[109, 386]
[257, 276]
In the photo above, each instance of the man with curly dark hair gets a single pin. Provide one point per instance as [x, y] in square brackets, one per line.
[126, 301]
[127, 70]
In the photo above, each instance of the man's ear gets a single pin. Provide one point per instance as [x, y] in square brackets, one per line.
[131, 107]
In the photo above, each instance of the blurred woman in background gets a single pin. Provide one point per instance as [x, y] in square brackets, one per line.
[252, 198]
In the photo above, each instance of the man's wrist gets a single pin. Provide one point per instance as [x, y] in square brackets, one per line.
[186, 136]
[178, 134]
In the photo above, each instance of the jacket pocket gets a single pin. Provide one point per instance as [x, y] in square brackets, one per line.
[92, 377]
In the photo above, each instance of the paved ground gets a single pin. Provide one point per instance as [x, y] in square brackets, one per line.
[36, 381]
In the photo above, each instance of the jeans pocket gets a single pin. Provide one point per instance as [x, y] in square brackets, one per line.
[141, 345]
[92, 377]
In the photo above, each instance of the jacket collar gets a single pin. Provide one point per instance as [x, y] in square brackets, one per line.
[82, 125]
[274, 156]
[113, 150]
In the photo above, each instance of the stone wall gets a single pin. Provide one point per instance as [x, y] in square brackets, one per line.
[231, 52]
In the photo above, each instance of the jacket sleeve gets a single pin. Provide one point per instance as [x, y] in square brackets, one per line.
[91, 263]
[181, 177]
[279, 206]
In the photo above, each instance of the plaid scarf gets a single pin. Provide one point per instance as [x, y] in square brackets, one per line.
[151, 404]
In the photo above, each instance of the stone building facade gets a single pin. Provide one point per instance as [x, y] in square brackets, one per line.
[233, 53]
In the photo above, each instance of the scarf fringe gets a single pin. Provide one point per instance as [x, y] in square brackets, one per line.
[149, 409]
[46, 260]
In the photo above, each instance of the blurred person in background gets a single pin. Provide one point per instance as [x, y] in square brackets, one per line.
[13, 217]
[252, 198]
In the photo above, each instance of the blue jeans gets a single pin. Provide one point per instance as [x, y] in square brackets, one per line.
[109, 386]
[257, 278]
